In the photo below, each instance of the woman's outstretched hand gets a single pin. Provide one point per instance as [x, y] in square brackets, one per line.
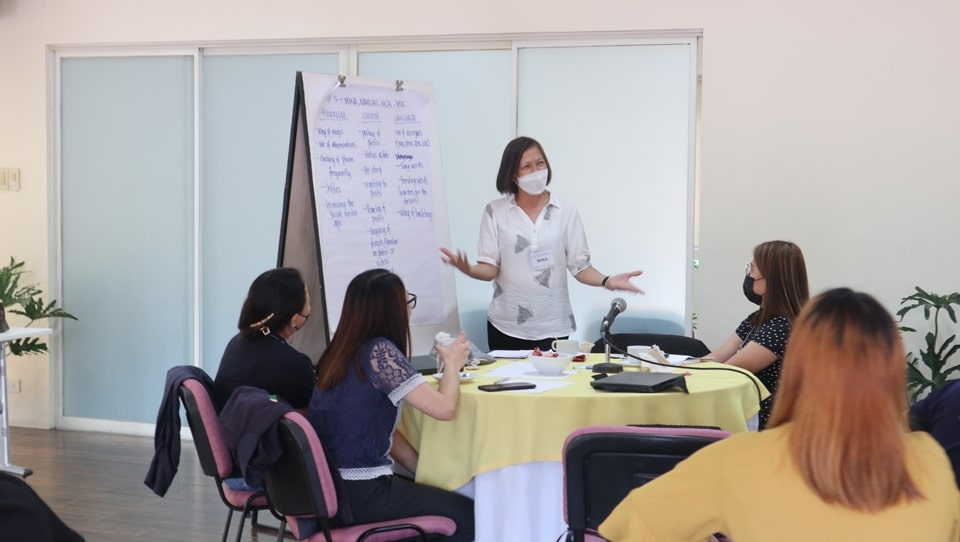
[457, 259]
[622, 282]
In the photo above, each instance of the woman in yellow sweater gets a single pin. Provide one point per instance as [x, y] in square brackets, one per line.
[836, 463]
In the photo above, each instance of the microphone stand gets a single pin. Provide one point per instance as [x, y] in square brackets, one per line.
[607, 366]
[607, 341]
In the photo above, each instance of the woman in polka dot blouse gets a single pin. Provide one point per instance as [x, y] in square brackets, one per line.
[776, 280]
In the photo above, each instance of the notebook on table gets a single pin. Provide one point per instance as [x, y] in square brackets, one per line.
[642, 382]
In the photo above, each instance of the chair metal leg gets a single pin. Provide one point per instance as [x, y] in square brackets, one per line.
[253, 514]
[257, 525]
[243, 519]
[254, 523]
[226, 527]
[247, 512]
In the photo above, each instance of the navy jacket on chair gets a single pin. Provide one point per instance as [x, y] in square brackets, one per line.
[166, 436]
[249, 423]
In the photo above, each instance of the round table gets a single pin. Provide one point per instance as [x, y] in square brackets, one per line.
[511, 436]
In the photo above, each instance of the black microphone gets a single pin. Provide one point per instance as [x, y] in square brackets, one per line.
[617, 306]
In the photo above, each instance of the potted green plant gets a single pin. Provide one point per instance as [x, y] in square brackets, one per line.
[25, 300]
[936, 351]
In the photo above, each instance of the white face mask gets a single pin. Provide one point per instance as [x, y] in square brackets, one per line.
[534, 183]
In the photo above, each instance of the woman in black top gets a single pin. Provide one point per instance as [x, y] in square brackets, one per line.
[277, 306]
[776, 280]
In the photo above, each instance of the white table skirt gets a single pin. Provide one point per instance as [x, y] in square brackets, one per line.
[523, 503]
[519, 503]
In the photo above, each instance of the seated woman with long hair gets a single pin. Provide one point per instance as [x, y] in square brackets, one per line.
[776, 280]
[362, 378]
[837, 461]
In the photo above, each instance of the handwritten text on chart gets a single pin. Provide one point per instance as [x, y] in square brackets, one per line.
[372, 156]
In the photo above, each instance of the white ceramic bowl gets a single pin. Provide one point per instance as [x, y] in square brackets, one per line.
[551, 366]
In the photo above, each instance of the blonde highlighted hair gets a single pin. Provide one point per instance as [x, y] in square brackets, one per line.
[842, 388]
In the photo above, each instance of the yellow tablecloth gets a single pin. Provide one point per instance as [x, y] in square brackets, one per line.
[494, 430]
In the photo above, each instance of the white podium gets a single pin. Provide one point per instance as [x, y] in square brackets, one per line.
[12, 334]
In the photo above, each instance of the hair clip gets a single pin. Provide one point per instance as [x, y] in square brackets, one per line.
[260, 323]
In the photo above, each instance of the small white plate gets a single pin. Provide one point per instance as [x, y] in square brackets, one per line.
[464, 377]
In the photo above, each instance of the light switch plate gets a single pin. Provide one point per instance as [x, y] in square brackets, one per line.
[13, 179]
[4, 185]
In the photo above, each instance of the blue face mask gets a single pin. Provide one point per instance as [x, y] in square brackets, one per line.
[752, 296]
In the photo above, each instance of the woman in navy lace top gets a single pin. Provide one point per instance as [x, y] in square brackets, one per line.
[362, 378]
[776, 280]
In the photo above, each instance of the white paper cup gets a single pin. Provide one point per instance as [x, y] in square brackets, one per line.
[444, 339]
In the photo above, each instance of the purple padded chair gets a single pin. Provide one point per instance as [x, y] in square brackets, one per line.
[215, 459]
[603, 463]
[300, 486]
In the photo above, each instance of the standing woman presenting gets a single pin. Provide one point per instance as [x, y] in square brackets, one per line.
[528, 240]
[776, 280]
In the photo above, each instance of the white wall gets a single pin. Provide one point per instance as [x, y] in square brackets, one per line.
[832, 124]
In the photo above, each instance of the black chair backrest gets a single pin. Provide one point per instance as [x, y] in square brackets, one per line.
[602, 468]
[293, 482]
[671, 344]
[200, 439]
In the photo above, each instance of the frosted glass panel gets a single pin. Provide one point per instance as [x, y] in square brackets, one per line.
[474, 100]
[127, 231]
[619, 142]
[616, 125]
[247, 108]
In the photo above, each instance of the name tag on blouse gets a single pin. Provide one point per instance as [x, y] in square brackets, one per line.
[541, 259]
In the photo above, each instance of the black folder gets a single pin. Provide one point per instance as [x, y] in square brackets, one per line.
[638, 382]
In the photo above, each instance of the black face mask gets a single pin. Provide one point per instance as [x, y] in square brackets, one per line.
[754, 298]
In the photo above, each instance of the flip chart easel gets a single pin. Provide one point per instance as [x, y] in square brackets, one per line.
[364, 189]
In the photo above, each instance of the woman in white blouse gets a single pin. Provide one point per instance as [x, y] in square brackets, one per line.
[529, 239]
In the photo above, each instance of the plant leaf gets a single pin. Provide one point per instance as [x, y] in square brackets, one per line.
[25, 347]
[934, 356]
[26, 300]
[36, 310]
